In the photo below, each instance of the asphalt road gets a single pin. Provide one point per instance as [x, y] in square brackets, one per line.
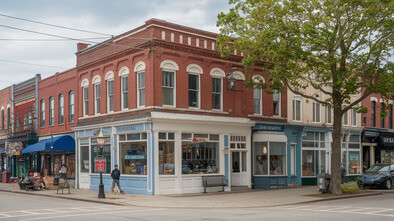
[15, 206]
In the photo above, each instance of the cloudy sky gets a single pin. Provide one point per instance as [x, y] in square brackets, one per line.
[22, 52]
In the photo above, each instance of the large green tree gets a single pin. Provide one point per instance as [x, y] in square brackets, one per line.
[340, 48]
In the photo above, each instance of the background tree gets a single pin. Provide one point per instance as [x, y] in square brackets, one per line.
[340, 48]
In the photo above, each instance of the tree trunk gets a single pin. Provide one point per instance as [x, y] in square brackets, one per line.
[335, 184]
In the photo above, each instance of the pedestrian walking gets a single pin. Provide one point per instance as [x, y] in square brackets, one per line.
[115, 174]
[343, 171]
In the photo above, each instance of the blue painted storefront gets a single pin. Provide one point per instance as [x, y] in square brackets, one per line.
[293, 134]
[138, 184]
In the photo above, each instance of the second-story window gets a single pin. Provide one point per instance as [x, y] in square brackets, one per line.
[24, 122]
[257, 101]
[97, 98]
[346, 118]
[328, 115]
[9, 119]
[373, 114]
[30, 121]
[141, 89]
[85, 101]
[110, 95]
[276, 102]
[354, 117]
[390, 116]
[194, 90]
[125, 92]
[297, 108]
[61, 109]
[217, 93]
[42, 114]
[71, 105]
[51, 111]
[382, 106]
[168, 88]
[316, 113]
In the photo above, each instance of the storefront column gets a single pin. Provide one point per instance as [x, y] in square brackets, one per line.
[371, 155]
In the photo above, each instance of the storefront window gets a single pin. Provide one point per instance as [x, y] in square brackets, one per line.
[166, 154]
[277, 158]
[354, 163]
[103, 153]
[313, 153]
[387, 156]
[261, 157]
[308, 163]
[133, 154]
[84, 148]
[200, 155]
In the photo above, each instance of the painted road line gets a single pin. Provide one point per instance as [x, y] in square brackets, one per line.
[95, 213]
[379, 211]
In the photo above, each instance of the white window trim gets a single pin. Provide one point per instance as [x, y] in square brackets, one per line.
[261, 103]
[95, 98]
[50, 121]
[108, 111]
[239, 75]
[297, 98]
[138, 91]
[122, 92]
[199, 92]
[109, 76]
[354, 112]
[83, 101]
[221, 93]
[313, 104]
[170, 66]
[124, 71]
[217, 72]
[326, 115]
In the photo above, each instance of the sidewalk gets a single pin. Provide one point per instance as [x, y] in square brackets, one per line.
[235, 199]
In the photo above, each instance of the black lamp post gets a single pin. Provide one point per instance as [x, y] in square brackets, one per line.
[53, 164]
[101, 141]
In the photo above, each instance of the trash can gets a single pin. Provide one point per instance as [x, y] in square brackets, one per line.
[323, 182]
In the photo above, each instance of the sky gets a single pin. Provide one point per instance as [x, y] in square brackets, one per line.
[24, 54]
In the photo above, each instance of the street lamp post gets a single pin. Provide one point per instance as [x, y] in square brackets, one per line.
[53, 166]
[101, 141]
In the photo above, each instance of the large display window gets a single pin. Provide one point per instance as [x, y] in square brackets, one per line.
[313, 153]
[269, 158]
[387, 156]
[166, 154]
[84, 152]
[351, 149]
[200, 153]
[101, 153]
[132, 150]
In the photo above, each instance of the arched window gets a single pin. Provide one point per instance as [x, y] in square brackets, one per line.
[61, 109]
[85, 96]
[42, 113]
[71, 105]
[124, 80]
[169, 69]
[51, 111]
[109, 77]
[194, 71]
[140, 70]
[217, 88]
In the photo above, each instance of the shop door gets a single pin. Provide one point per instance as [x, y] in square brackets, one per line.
[239, 175]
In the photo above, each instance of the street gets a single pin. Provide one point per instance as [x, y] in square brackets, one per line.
[28, 207]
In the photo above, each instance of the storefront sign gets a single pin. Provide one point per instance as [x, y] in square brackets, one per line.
[99, 164]
[387, 141]
[199, 140]
[135, 157]
[268, 127]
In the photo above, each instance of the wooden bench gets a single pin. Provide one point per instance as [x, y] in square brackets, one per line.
[213, 180]
[63, 185]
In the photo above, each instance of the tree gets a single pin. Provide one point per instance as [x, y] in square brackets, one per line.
[340, 48]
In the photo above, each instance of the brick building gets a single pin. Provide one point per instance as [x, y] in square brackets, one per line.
[56, 117]
[5, 124]
[172, 110]
[378, 133]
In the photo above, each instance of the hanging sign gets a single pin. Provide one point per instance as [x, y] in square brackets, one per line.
[99, 164]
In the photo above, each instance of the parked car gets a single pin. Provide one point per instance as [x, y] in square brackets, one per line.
[380, 175]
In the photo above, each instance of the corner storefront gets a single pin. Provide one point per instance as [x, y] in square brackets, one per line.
[377, 146]
[166, 153]
[276, 155]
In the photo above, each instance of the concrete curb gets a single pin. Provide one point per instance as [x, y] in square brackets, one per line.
[129, 204]
[64, 197]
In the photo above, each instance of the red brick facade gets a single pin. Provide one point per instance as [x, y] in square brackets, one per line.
[366, 118]
[166, 41]
[5, 105]
[54, 86]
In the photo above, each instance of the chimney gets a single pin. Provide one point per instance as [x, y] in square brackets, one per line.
[81, 46]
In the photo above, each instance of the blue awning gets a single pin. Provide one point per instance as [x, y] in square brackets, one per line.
[61, 143]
